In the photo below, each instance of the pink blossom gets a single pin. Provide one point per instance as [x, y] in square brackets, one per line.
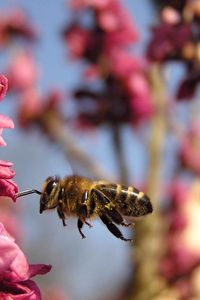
[5, 122]
[22, 72]
[33, 106]
[5, 170]
[3, 86]
[15, 24]
[77, 40]
[117, 24]
[15, 272]
[179, 260]
[7, 186]
[122, 63]
[97, 4]
[30, 107]
[170, 15]
[178, 191]
[9, 218]
[189, 152]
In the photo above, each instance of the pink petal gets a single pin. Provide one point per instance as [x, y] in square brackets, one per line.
[6, 172]
[8, 188]
[6, 122]
[3, 86]
[4, 233]
[38, 269]
[5, 163]
[8, 249]
[2, 142]
[25, 290]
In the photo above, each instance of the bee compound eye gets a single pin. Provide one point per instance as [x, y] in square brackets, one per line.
[50, 185]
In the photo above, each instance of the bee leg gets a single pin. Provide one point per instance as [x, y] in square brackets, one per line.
[115, 216]
[80, 225]
[113, 228]
[88, 224]
[61, 213]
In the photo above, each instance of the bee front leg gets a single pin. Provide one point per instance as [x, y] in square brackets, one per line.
[113, 228]
[80, 226]
[88, 224]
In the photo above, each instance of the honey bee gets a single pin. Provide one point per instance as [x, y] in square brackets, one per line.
[83, 198]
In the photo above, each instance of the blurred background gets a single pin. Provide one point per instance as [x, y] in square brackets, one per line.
[129, 104]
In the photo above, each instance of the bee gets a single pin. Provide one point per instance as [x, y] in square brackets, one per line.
[85, 199]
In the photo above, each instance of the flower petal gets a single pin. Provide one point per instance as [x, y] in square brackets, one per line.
[38, 269]
[6, 122]
[3, 86]
[6, 172]
[8, 188]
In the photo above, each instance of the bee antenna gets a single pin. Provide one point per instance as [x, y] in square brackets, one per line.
[24, 193]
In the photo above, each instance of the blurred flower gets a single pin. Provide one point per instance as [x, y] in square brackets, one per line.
[22, 72]
[5, 122]
[168, 40]
[3, 86]
[189, 152]
[15, 24]
[77, 40]
[189, 84]
[124, 95]
[15, 272]
[117, 25]
[33, 107]
[179, 260]
[177, 38]
[97, 4]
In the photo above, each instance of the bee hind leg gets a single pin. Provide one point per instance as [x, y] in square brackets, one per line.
[110, 209]
[113, 228]
[117, 218]
[80, 226]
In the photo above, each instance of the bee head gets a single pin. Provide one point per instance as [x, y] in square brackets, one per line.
[48, 198]
[145, 203]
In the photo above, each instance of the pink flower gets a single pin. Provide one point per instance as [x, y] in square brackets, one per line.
[33, 106]
[5, 122]
[178, 192]
[190, 149]
[118, 25]
[22, 72]
[3, 86]
[15, 272]
[7, 186]
[96, 4]
[15, 24]
[77, 40]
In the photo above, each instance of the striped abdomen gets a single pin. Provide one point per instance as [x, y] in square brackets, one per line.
[128, 200]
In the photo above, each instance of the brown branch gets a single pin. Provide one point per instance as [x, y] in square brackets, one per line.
[62, 135]
[123, 171]
[148, 246]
